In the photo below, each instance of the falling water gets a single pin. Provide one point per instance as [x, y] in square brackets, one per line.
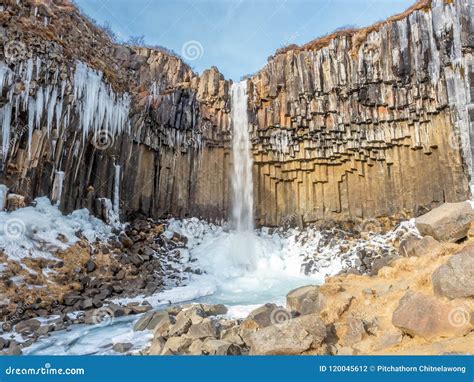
[242, 183]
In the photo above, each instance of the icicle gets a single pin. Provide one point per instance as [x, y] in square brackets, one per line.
[57, 187]
[99, 107]
[5, 117]
[47, 92]
[117, 190]
[63, 88]
[111, 217]
[38, 67]
[52, 108]
[4, 75]
[31, 123]
[59, 112]
[29, 76]
[39, 107]
[3, 196]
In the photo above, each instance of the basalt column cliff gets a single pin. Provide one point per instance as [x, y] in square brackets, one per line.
[367, 122]
[358, 124]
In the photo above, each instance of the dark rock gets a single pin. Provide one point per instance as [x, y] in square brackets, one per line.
[90, 266]
[122, 347]
[28, 326]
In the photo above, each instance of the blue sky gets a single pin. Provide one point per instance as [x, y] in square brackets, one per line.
[237, 36]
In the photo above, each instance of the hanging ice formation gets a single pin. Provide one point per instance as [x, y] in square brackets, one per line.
[98, 107]
[117, 190]
[57, 187]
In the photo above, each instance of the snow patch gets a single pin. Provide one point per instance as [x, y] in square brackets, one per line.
[40, 230]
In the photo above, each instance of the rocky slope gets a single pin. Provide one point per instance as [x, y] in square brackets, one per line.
[417, 301]
[421, 303]
[358, 124]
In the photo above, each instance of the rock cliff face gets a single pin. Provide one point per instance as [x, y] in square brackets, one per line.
[367, 122]
[86, 120]
[358, 124]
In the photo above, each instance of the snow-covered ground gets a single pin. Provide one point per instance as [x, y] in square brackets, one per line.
[242, 270]
[251, 268]
[40, 230]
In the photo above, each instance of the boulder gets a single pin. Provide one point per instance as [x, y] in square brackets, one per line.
[138, 309]
[455, 279]
[304, 300]
[157, 346]
[291, 337]
[185, 318]
[4, 343]
[202, 330]
[158, 318]
[15, 202]
[260, 317]
[196, 347]
[44, 329]
[177, 344]
[28, 326]
[415, 246]
[162, 327]
[382, 262]
[345, 350]
[429, 317]
[143, 322]
[13, 349]
[220, 347]
[388, 340]
[122, 347]
[117, 310]
[354, 331]
[449, 222]
[214, 310]
[151, 320]
[232, 335]
[90, 266]
[71, 299]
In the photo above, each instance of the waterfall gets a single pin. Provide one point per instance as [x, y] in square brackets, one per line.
[57, 187]
[242, 183]
[117, 189]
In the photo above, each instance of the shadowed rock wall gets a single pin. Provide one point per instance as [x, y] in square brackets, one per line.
[173, 149]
